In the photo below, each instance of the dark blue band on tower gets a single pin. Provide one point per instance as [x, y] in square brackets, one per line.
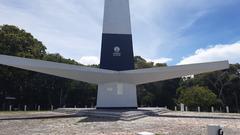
[117, 52]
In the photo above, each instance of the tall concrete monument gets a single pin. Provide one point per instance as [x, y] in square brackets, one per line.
[117, 55]
[116, 78]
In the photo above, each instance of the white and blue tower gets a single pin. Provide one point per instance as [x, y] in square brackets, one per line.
[117, 55]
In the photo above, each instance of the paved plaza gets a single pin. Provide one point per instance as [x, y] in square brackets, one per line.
[169, 123]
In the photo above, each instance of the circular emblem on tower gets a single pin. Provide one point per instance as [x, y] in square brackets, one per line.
[116, 52]
[117, 49]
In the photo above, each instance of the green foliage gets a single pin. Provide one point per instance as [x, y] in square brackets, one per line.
[225, 84]
[142, 63]
[58, 58]
[32, 88]
[197, 96]
[161, 93]
[14, 41]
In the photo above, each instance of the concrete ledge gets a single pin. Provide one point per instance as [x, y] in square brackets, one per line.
[116, 113]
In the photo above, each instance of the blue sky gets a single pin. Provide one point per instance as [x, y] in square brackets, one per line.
[172, 31]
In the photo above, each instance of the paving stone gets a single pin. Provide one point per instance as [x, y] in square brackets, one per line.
[170, 123]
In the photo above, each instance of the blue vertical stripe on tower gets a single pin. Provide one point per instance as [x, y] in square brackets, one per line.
[117, 52]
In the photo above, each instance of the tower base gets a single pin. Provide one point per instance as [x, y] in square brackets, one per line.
[117, 96]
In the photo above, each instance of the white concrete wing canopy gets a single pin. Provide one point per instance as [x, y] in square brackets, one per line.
[118, 87]
[143, 76]
[99, 76]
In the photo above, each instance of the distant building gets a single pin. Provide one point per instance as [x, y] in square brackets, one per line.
[188, 77]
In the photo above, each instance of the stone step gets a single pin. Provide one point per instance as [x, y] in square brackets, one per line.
[117, 114]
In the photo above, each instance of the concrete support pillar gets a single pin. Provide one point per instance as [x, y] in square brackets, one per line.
[39, 108]
[182, 107]
[25, 107]
[212, 109]
[117, 95]
[199, 109]
[10, 107]
[51, 107]
[227, 109]
[175, 108]
[186, 108]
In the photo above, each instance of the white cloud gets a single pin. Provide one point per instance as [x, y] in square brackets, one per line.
[165, 20]
[219, 52]
[160, 60]
[89, 60]
[69, 27]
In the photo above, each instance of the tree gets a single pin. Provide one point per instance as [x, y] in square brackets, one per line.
[225, 84]
[232, 91]
[161, 93]
[16, 42]
[141, 63]
[196, 96]
[31, 88]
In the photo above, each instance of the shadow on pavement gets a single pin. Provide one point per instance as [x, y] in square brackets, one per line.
[112, 115]
[37, 117]
[199, 117]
